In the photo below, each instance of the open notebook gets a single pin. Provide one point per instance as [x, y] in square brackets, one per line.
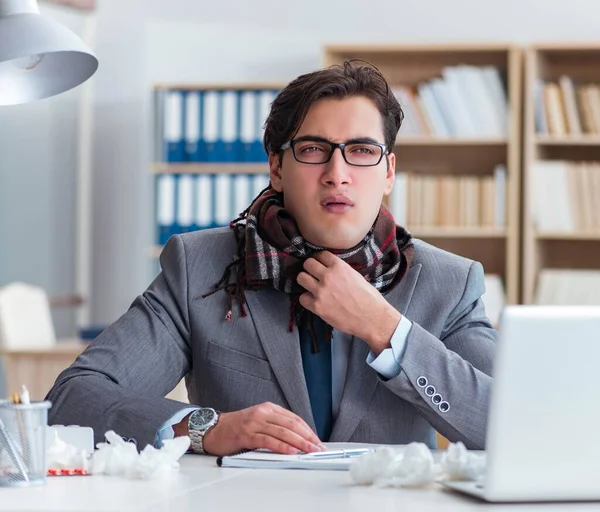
[263, 459]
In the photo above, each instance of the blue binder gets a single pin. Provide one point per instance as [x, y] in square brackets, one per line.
[223, 199]
[228, 139]
[193, 133]
[242, 193]
[173, 127]
[211, 108]
[165, 207]
[265, 98]
[185, 203]
[203, 201]
[248, 125]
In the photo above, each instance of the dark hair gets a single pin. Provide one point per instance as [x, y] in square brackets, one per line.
[337, 82]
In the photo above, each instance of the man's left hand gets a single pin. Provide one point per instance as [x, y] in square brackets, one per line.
[344, 299]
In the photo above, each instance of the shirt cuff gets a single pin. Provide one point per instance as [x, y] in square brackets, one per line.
[388, 362]
[166, 430]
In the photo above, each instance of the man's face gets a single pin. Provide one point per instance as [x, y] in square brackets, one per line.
[334, 203]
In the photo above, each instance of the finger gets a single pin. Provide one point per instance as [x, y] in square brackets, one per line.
[296, 424]
[288, 437]
[264, 441]
[327, 258]
[307, 281]
[315, 268]
[308, 301]
[275, 409]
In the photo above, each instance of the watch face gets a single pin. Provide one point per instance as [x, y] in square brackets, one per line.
[202, 418]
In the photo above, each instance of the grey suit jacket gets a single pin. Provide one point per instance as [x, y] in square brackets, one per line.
[170, 331]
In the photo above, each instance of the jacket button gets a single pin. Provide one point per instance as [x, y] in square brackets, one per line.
[444, 406]
[422, 382]
[430, 391]
[436, 399]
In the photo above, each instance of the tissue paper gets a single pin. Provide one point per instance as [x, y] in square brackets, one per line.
[116, 457]
[414, 466]
[460, 464]
[61, 455]
[119, 458]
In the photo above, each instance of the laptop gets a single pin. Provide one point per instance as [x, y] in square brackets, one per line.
[542, 440]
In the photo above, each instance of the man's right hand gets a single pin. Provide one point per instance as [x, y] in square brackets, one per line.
[265, 425]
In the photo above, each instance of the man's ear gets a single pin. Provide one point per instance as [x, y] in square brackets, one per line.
[275, 171]
[390, 173]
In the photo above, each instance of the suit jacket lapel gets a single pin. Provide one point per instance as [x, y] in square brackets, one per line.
[270, 311]
[361, 379]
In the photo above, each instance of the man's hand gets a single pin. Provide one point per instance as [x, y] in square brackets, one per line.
[262, 426]
[346, 301]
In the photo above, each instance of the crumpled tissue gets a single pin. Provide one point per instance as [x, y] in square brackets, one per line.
[117, 457]
[415, 466]
[120, 458]
[61, 455]
[460, 464]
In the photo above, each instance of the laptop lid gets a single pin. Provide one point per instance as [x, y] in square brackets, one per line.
[542, 438]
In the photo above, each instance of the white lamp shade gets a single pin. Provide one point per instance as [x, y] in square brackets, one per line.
[40, 58]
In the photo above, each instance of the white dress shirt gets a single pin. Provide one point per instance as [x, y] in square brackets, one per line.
[387, 364]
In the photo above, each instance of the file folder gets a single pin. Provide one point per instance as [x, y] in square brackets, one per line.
[249, 135]
[204, 202]
[173, 127]
[193, 116]
[185, 203]
[223, 200]
[165, 201]
[210, 124]
[228, 141]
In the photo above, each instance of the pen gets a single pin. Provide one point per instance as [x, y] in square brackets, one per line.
[336, 454]
[29, 442]
[13, 451]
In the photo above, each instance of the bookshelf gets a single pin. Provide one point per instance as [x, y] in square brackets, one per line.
[208, 161]
[561, 170]
[447, 164]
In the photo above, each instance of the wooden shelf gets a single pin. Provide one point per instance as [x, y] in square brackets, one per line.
[220, 86]
[63, 347]
[567, 140]
[457, 232]
[450, 141]
[211, 168]
[593, 236]
[555, 249]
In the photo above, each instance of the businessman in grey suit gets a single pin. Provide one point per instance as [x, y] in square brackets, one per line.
[312, 318]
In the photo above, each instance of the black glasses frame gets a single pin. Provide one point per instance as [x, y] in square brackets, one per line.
[342, 145]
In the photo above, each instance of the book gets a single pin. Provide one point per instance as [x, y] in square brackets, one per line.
[264, 459]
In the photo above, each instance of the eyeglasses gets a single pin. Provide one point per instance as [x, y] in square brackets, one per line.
[320, 151]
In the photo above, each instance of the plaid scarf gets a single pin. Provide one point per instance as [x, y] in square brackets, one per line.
[271, 252]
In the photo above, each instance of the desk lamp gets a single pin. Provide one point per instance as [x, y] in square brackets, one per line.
[39, 57]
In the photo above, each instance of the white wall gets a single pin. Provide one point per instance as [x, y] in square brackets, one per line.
[141, 42]
[38, 165]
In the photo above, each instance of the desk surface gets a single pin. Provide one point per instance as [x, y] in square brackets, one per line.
[202, 486]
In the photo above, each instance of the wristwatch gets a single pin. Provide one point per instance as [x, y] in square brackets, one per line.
[200, 423]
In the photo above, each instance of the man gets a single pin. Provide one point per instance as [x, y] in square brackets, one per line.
[312, 318]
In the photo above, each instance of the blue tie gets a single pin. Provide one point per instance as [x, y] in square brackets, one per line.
[317, 371]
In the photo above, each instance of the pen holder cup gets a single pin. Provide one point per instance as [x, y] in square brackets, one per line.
[23, 443]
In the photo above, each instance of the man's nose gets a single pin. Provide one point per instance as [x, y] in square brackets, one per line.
[337, 170]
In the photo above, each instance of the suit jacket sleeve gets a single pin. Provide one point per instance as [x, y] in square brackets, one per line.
[458, 365]
[119, 382]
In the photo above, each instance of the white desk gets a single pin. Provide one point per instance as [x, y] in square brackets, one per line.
[201, 486]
